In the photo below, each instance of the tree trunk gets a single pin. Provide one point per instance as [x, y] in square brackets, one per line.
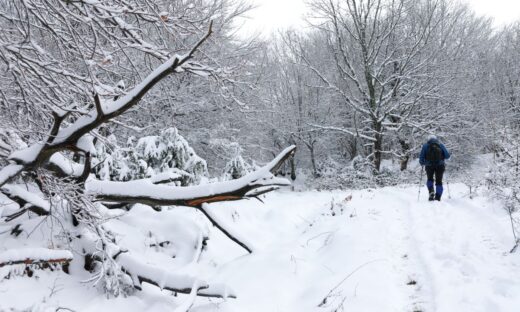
[293, 169]
[313, 161]
[405, 158]
[378, 146]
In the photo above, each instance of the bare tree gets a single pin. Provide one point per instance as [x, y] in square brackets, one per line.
[390, 60]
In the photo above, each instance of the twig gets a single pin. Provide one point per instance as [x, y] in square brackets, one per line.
[324, 301]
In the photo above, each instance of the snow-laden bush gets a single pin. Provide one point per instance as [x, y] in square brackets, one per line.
[236, 167]
[104, 163]
[167, 154]
[504, 174]
[503, 179]
[359, 174]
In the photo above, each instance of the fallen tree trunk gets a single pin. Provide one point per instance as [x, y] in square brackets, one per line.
[145, 192]
[35, 256]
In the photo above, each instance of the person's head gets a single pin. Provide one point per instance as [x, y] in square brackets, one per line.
[432, 137]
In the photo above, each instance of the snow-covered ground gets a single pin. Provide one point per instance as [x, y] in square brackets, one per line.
[367, 250]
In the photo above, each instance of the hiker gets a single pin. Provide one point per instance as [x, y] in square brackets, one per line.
[432, 156]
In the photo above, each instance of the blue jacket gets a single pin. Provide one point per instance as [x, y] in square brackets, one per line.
[422, 157]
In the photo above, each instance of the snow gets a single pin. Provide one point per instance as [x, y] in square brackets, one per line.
[5, 146]
[43, 254]
[111, 107]
[185, 307]
[8, 172]
[66, 165]
[212, 212]
[83, 121]
[140, 268]
[456, 251]
[28, 196]
[86, 144]
[27, 155]
[181, 233]
[368, 250]
[165, 177]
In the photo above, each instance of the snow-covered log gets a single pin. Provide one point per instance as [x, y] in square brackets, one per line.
[64, 167]
[36, 256]
[9, 172]
[145, 192]
[142, 272]
[26, 200]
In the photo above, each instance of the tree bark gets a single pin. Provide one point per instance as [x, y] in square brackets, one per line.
[378, 146]
[405, 154]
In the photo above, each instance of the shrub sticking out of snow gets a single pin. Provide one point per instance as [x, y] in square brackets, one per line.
[359, 174]
[502, 180]
[236, 167]
[165, 154]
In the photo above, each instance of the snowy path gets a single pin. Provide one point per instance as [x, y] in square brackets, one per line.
[463, 249]
[367, 250]
[396, 253]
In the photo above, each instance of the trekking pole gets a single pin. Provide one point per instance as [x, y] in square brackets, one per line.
[448, 184]
[420, 184]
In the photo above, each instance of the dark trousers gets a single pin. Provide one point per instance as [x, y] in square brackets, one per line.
[435, 172]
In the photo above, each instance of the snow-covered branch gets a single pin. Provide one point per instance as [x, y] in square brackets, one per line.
[141, 272]
[36, 256]
[67, 138]
[26, 200]
[145, 192]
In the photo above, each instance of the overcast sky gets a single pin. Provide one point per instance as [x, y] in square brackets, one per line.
[273, 14]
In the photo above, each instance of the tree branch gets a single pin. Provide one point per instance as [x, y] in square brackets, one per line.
[145, 192]
[35, 256]
[141, 272]
[232, 237]
[26, 200]
[65, 139]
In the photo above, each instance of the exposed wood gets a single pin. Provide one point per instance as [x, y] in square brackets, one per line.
[19, 213]
[37, 261]
[58, 119]
[86, 169]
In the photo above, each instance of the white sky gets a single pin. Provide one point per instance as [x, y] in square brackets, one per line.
[273, 14]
